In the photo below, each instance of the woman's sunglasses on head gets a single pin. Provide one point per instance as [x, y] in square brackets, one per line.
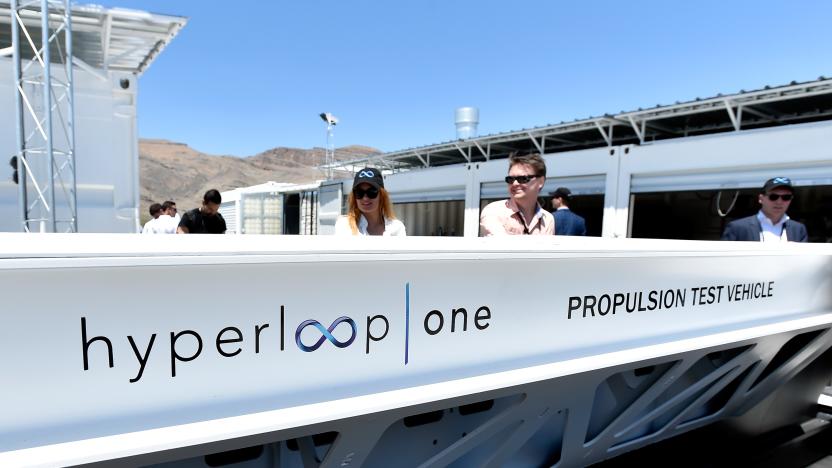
[371, 193]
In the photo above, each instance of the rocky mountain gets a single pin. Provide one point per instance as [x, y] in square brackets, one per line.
[175, 171]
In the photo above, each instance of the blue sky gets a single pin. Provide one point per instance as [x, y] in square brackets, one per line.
[243, 77]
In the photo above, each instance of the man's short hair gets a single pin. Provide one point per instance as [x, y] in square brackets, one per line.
[155, 209]
[212, 196]
[532, 159]
[168, 204]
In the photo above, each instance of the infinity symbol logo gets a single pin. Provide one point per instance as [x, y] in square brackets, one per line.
[326, 334]
[366, 174]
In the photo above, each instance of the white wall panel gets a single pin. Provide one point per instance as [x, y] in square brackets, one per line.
[106, 152]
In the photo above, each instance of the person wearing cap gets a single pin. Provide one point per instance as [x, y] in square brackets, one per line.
[567, 223]
[370, 211]
[520, 213]
[771, 223]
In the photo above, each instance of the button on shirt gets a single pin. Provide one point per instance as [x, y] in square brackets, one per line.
[772, 232]
[505, 218]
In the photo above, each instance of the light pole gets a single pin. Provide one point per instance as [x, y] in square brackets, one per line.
[331, 121]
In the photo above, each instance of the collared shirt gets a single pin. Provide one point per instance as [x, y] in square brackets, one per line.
[164, 224]
[148, 226]
[505, 218]
[770, 232]
[392, 227]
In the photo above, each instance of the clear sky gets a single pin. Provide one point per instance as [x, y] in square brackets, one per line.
[243, 77]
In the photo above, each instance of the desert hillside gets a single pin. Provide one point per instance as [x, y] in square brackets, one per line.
[175, 171]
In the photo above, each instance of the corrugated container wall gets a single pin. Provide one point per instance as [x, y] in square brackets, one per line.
[441, 218]
[262, 213]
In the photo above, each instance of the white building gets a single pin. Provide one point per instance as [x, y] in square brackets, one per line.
[111, 47]
[678, 171]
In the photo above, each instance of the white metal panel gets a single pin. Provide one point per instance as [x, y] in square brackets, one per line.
[228, 210]
[329, 207]
[805, 174]
[448, 194]
[579, 185]
[434, 184]
[106, 152]
[733, 160]
[585, 168]
[408, 366]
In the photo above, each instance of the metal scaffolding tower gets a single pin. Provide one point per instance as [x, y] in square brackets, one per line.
[45, 157]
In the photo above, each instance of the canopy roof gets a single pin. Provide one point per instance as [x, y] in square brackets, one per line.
[767, 107]
[103, 38]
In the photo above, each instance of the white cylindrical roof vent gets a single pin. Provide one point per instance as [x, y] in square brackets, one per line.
[467, 119]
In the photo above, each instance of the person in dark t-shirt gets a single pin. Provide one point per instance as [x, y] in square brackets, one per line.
[205, 219]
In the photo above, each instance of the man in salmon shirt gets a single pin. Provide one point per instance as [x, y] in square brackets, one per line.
[521, 213]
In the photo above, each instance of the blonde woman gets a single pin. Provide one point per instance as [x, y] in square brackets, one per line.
[369, 212]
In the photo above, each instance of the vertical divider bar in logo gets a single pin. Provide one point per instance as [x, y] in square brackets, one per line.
[406, 321]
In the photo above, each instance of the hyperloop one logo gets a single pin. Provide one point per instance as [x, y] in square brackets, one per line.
[326, 334]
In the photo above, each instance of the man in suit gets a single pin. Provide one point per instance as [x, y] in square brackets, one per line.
[771, 223]
[567, 223]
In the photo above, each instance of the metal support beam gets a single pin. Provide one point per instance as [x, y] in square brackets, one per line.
[655, 126]
[465, 155]
[482, 151]
[419, 156]
[638, 129]
[561, 140]
[46, 132]
[89, 69]
[758, 113]
[22, 171]
[607, 136]
[536, 144]
[105, 41]
[731, 115]
[47, 109]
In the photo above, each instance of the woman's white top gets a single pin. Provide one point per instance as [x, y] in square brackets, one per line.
[392, 227]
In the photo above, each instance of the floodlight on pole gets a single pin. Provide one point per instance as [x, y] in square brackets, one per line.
[330, 121]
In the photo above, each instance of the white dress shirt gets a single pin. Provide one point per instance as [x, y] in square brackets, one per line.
[771, 232]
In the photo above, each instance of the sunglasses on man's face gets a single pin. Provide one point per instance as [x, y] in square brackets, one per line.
[371, 192]
[523, 179]
[777, 196]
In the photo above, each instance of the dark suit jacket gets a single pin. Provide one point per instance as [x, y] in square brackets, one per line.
[568, 223]
[748, 229]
